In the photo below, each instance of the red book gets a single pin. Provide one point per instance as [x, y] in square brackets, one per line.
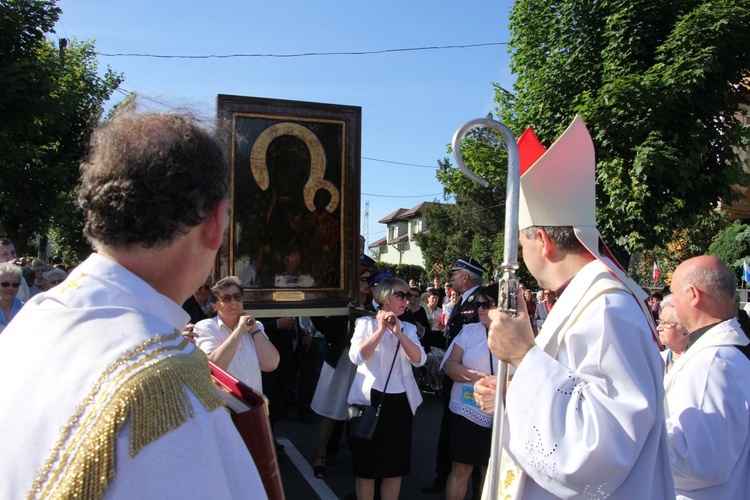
[249, 410]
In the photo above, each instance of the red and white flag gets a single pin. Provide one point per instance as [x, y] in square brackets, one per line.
[656, 273]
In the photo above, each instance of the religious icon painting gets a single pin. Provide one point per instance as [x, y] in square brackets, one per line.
[293, 235]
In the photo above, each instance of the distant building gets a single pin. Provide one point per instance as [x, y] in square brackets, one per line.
[399, 246]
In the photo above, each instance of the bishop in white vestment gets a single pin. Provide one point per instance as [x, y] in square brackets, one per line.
[584, 417]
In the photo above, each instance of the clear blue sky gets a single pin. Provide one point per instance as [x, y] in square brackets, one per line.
[412, 102]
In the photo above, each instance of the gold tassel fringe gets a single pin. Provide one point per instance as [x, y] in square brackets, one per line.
[154, 401]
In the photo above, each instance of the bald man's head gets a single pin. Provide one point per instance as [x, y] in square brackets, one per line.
[704, 289]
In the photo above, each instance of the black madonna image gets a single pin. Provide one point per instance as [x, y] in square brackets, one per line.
[289, 226]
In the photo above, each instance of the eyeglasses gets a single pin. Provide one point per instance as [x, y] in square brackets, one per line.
[486, 305]
[204, 288]
[545, 293]
[5, 284]
[666, 324]
[237, 297]
[404, 295]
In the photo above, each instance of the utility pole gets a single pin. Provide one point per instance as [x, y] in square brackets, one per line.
[367, 226]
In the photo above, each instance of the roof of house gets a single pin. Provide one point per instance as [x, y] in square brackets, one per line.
[399, 239]
[403, 214]
[379, 243]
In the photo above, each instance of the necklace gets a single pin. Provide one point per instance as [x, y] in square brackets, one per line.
[669, 357]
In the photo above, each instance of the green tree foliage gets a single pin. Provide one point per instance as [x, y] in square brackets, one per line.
[475, 223]
[51, 100]
[732, 245]
[404, 271]
[685, 244]
[659, 84]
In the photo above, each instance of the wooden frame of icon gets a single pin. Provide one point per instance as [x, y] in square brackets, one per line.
[293, 232]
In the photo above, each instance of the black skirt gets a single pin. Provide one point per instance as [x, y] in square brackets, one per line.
[470, 443]
[389, 453]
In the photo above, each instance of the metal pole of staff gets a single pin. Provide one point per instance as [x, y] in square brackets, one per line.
[508, 292]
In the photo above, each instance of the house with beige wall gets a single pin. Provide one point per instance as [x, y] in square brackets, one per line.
[399, 246]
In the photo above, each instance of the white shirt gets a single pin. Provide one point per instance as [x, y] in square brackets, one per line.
[473, 340]
[372, 373]
[708, 416]
[434, 316]
[213, 332]
[72, 337]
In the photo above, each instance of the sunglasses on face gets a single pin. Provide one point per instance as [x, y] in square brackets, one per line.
[403, 295]
[237, 297]
[5, 284]
[486, 305]
[364, 279]
[666, 324]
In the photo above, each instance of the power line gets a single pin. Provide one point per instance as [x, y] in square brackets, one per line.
[483, 209]
[396, 196]
[304, 54]
[400, 163]
[126, 92]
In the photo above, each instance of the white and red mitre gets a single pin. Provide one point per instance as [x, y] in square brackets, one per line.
[558, 188]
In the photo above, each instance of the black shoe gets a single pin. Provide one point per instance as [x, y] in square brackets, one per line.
[319, 467]
[435, 487]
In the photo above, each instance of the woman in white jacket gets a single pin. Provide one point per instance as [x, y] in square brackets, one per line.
[375, 344]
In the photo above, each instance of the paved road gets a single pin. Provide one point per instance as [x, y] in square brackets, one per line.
[300, 441]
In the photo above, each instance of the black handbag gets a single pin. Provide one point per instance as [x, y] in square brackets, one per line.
[363, 420]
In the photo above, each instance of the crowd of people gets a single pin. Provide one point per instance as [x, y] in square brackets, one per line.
[613, 393]
[22, 278]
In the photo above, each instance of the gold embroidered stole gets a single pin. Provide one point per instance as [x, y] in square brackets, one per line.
[146, 387]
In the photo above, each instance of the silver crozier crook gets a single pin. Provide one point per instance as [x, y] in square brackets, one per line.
[508, 293]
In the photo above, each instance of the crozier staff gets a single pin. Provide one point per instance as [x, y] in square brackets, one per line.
[375, 344]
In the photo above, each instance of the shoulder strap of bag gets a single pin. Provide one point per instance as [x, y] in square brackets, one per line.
[398, 346]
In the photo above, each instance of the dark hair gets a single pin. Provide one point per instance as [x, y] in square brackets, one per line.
[4, 242]
[489, 293]
[562, 236]
[150, 178]
[28, 274]
[223, 284]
